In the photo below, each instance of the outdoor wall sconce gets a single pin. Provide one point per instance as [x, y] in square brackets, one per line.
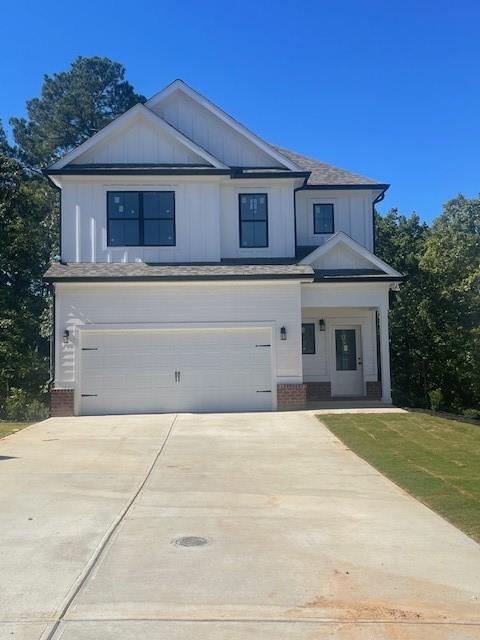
[66, 336]
[321, 324]
[283, 333]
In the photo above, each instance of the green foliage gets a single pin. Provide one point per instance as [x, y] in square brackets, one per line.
[73, 105]
[435, 319]
[26, 223]
[19, 406]
[436, 399]
[472, 413]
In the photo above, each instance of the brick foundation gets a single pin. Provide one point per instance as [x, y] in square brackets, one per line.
[291, 396]
[319, 391]
[374, 390]
[322, 392]
[61, 403]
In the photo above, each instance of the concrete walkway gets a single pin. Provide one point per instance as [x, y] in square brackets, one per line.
[303, 539]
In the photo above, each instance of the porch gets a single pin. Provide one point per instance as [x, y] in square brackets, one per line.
[345, 346]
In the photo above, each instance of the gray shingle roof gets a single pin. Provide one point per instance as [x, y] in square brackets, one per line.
[87, 271]
[323, 173]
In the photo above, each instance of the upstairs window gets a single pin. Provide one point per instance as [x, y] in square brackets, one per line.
[141, 218]
[253, 220]
[323, 218]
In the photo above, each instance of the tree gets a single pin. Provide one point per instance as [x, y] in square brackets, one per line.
[452, 261]
[24, 255]
[435, 317]
[401, 243]
[74, 105]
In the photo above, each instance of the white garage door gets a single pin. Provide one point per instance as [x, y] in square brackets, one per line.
[169, 370]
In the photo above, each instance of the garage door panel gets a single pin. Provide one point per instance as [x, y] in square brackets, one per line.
[133, 371]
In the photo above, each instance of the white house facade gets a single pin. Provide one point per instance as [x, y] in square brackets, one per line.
[203, 269]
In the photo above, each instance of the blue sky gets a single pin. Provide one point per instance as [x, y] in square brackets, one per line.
[387, 89]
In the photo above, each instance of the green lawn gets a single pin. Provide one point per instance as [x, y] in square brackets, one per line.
[10, 427]
[435, 460]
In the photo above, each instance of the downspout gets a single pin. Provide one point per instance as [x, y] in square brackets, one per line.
[305, 180]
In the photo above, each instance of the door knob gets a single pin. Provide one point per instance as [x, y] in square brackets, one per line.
[360, 361]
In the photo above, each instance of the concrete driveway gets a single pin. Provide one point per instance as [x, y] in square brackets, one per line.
[303, 539]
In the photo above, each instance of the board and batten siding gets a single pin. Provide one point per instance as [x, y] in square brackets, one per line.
[352, 215]
[211, 133]
[152, 304]
[206, 219]
[281, 219]
[84, 221]
[140, 142]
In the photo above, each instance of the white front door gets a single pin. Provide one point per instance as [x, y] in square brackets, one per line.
[346, 363]
[169, 370]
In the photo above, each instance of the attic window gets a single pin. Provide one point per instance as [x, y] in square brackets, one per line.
[141, 218]
[323, 218]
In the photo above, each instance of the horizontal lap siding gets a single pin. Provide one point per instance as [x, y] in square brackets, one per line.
[131, 304]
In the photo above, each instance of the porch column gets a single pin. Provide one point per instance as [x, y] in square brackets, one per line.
[385, 354]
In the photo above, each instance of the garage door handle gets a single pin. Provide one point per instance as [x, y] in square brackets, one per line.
[265, 391]
[177, 376]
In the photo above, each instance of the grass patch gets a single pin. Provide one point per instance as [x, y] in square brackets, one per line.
[435, 460]
[6, 428]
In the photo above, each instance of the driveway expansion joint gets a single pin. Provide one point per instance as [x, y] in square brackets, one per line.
[91, 564]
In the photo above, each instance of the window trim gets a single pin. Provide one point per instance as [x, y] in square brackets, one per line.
[141, 219]
[310, 353]
[324, 233]
[258, 246]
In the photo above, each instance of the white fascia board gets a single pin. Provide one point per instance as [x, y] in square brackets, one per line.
[234, 124]
[139, 110]
[341, 237]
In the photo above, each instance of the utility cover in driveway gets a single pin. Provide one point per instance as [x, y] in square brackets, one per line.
[167, 370]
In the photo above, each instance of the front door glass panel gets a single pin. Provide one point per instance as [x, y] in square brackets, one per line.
[346, 349]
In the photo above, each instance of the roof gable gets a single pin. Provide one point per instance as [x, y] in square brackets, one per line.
[342, 252]
[138, 136]
[215, 130]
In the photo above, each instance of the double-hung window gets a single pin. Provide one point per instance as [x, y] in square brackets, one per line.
[141, 218]
[323, 218]
[253, 212]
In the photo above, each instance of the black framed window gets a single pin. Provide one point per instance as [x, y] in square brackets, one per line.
[323, 218]
[308, 337]
[253, 215]
[141, 218]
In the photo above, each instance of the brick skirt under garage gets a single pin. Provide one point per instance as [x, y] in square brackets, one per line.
[61, 403]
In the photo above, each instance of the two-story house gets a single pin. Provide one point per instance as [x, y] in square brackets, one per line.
[203, 269]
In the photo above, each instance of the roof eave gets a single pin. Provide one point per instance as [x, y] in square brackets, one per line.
[185, 278]
[379, 278]
[374, 186]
